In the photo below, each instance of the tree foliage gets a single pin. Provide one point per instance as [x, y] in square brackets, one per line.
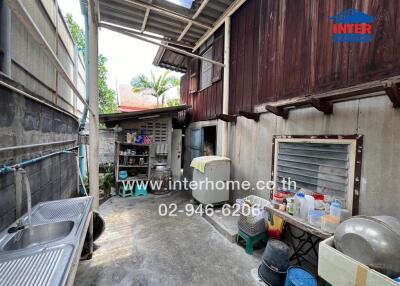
[157, 84]
[174, 102]
[107, 102]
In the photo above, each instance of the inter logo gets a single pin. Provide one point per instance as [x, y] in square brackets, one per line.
[352, 26]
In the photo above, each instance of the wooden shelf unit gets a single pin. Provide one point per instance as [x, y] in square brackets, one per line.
[135, 171]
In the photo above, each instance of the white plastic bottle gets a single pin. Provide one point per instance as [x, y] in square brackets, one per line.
[300, 206]
[310, 203]
[335, 209]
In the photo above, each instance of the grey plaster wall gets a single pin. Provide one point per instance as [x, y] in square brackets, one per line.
[33, 69]
[251, 147]
[106, 146]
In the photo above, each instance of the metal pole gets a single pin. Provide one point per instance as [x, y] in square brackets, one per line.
[5, 38]
[94, 106]
[225, 94]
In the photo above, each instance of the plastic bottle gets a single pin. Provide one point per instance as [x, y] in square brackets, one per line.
[310, 203]
[335, 209]
[300, 206]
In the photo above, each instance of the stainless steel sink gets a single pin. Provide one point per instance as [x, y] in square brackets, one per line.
[48, 252]
[39, 234]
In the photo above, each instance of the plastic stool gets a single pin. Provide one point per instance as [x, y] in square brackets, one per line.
[140, 190]
[125, 192]
[250, 240]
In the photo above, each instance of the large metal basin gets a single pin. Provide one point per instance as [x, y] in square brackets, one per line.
[39, 234]
[374, 241]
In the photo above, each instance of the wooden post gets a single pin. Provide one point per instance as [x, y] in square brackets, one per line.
[18, 193]
[94, 106]
[225, 95]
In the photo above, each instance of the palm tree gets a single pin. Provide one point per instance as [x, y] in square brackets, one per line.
[159, 85]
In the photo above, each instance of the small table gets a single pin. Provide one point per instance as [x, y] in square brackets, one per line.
[309, 236]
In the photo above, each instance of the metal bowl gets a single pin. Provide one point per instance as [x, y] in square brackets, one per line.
[373, 241]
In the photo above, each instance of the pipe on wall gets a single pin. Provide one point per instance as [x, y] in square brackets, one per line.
[11, 168]
[5, 38]
[225, 94]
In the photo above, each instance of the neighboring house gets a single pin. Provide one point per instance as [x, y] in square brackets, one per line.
[134, 101]
[286, 78]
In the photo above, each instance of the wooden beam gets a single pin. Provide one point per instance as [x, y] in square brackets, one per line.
[167, 12]
[393, 93]
[322, 105]
[199, 10]
[146, 17]
[364, 90]
[278, 111]
[227, 118]
[172, 48]
[250, 115]
[128, 31]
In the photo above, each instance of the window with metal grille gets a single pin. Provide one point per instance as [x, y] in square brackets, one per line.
[206, 68]
[159, 130]
[323, 166]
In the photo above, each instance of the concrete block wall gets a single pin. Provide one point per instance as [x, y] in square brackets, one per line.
[24, 122]
[251, 147]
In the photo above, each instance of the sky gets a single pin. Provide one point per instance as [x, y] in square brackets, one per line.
[126, 56]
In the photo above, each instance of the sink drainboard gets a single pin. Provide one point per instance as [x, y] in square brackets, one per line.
[24, 270]
[58, 211]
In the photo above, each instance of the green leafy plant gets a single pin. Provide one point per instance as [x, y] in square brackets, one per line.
[157, 84]
[174, 102]
[106, 182]
[107, 102]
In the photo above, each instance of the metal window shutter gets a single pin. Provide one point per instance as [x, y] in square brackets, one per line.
[319, 167]
[159, 130]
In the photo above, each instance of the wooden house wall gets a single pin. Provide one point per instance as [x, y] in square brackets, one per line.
[206, 104]
[284, 49]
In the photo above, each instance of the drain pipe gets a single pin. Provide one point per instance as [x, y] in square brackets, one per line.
[82, 147]
[5, 38]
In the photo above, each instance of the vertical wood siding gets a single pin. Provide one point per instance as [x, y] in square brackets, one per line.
[284, 49]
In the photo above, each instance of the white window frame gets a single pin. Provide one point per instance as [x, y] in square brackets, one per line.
[352, 160]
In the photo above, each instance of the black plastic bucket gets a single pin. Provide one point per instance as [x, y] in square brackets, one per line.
[276, 255]
[271, 277]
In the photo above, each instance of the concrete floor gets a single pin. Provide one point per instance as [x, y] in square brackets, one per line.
[139, 247]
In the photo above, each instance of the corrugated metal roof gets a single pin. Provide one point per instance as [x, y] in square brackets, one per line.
[111, 118]
[170, 60]
[164, 18]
